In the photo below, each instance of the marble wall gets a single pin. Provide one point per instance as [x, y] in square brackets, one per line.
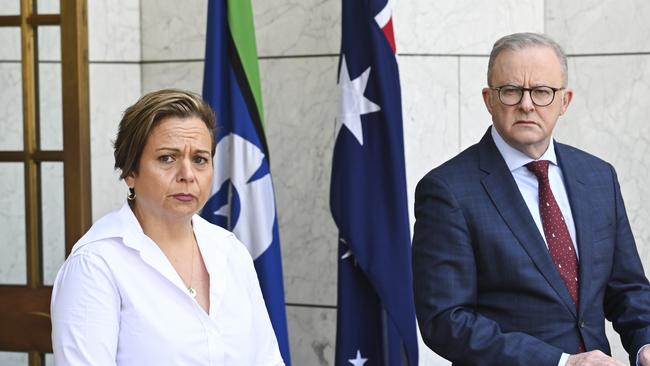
[114, 32]
[136, 47]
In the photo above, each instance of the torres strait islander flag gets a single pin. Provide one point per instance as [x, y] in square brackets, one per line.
[376, 322]
[242, 198]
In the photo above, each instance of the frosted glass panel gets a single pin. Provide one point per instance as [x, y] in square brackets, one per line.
[49, 43]
[10, 41]
[49, 6]
[11, 118]
[50, 107]
[12, 225]
[10, 7]
[53, 210]
[13, 359]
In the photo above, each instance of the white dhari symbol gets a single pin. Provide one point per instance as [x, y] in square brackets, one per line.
[241, 159]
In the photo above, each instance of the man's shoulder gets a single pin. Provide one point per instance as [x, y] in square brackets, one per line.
[574, 157]
[576, 153]
[460, 167]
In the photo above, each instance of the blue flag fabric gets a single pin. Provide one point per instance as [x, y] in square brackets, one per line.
[376, 322]
[243, 199]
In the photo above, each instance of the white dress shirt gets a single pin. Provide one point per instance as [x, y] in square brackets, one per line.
[117, 300]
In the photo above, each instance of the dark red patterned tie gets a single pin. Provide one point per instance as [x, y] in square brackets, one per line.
[557, 234]
[555, 230]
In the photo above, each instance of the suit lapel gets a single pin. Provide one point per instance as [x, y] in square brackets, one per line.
[580, 209]
[505, 195]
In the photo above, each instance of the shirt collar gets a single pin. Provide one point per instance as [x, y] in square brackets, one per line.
[514, 158]
[120, 224]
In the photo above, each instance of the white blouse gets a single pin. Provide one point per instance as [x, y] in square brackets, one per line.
[117, 300]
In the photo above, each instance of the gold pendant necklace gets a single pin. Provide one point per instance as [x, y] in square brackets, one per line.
[191, 289]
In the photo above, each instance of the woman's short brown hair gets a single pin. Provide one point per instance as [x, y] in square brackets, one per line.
[140, 119]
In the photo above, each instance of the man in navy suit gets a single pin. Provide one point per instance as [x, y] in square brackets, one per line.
[522, 247]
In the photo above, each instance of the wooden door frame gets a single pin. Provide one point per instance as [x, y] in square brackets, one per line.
[25, 310]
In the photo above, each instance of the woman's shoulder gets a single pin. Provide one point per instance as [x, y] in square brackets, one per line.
[107, 234]
[105, 250]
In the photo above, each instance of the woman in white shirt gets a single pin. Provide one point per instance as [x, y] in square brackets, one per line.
[153, 283]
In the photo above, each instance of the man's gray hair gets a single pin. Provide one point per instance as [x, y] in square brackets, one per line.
[519, 41]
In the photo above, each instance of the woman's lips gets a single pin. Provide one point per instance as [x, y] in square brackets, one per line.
[184, 197]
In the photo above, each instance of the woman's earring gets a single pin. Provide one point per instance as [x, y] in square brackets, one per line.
[131, 195]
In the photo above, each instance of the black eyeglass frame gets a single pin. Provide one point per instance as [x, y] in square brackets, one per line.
[529, 90]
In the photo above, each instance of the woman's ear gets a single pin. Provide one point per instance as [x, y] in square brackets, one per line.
[130, 179]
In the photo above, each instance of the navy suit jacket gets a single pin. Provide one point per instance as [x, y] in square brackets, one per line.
[486, 289]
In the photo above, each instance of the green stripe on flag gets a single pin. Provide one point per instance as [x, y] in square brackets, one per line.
[242, 29]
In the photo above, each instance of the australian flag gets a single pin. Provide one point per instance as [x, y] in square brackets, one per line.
[243, 200]
[376, 318]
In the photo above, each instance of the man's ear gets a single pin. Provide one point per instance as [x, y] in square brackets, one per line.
[567, 96]
[487, 99]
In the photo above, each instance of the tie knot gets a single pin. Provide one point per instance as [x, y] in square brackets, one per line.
[539, 168]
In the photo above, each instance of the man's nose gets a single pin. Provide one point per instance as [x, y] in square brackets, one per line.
[526, 102]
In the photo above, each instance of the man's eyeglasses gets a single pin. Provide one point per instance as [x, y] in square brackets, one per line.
[540, 95]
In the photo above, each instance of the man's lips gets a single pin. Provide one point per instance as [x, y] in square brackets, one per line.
[526, 122]
[184, 197]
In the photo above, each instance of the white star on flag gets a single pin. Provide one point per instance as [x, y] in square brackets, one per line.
[358, 361]
[352, 103]
[348, 253]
